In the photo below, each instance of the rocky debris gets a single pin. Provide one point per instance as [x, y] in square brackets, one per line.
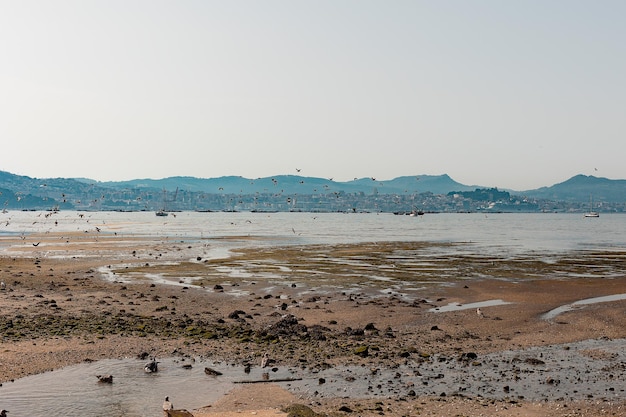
[212, 372]
[300, 410]
[287, 327]
[235, 314]
[105, 379]
[468, 356]
[534, 361]
[362, 351]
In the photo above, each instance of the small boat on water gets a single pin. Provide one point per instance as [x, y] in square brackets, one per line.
[161, 213]
[411, 213]
[591, 213]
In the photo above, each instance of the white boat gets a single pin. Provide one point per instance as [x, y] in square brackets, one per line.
[162, 212]
[591, 213]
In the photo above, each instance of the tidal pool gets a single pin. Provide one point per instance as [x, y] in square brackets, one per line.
[459, 307]
[76, 391]
[574, 371]
[579, 304]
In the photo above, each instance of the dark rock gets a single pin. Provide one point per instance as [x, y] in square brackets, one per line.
[235, 314]
[287, 326]
[534, 361]
[212, 372]
[552, 381]
[105, 379]
[349, 331]
[468, 356]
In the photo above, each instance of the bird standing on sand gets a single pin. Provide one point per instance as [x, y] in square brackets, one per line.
[3, 413]
[3, 286]
[167, 405]
[479, 312]
[264, 360]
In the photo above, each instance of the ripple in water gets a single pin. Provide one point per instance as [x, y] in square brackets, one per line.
[75, 390]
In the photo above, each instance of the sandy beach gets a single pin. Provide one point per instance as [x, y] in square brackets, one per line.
[63, 310]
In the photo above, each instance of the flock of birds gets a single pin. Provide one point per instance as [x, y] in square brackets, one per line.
[152, 367]
[94, 203]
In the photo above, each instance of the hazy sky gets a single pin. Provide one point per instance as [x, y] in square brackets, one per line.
[512, 94]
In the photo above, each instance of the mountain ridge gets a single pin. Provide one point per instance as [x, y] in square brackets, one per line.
[228, 192]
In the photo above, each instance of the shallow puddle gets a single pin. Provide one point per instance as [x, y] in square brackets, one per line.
[582, 370]
[579, 304]
[76, 391]
[459, 307]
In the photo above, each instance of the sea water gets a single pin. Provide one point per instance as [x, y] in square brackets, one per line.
[486, 233]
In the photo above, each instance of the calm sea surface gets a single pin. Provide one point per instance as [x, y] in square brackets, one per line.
[498, 233]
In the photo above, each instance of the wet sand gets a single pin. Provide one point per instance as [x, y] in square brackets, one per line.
[64, 305]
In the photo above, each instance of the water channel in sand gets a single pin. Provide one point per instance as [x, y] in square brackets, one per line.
[581, 303]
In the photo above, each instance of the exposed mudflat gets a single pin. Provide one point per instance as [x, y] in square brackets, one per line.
[378, 329]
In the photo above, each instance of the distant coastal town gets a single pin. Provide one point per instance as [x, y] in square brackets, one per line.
[404, 195]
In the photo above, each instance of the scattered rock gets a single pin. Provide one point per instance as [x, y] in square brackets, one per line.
[212, 372]
[300, 410]
[362, 351]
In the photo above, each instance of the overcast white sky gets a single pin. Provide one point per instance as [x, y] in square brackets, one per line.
[512, 94]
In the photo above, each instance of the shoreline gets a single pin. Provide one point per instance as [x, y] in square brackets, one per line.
[53, 294]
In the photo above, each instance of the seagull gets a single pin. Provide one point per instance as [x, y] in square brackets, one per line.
[151, 366]
[3, 286]
[3, 413]
[167, 405]
[264, 360]
[479, 312]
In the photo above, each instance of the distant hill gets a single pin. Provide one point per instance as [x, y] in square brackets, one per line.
[580, 188]
[293, 192]
[294, 184]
